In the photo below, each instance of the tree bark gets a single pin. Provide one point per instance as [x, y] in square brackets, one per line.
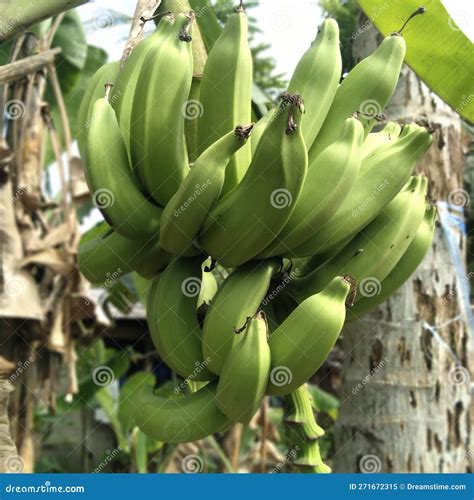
[406, 388]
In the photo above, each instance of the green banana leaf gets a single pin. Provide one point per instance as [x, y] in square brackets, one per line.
[437, 50]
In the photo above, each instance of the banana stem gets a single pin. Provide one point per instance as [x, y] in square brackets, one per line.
[108, 88]
[420, 10]
[303, 433]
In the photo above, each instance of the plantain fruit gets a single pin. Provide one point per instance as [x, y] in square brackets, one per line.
[107, 170]
[189, 206]
[402, 271]
[366, 90]
[316, 78]
[238, 298]
[126, 83]
[302, 342]
[328, 181]
[245, 221]
[178, 418]
[93, 91]
[226, 93]
[110, 255]
[374, 252]
[244, 378]
[381, 176]
[172, 319]
[387, 135]
[157, 141]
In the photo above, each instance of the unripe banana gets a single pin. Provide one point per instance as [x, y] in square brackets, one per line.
[113, 186]
[259, 128]
[110, 254]
[124, 89]
[238, 298]
[405, 267]
[387, 135]
[367, 89]
[245, 221]
[244, 378]
[226, 93]
[188, 208]
[158, 145]
[94, 90]
[179, 419]
[330, 178]
[381, 176]
[316, 78]
[303, 341]
[374, 252]
[172, 318]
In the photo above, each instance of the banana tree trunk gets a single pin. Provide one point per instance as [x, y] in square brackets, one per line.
[406, 387]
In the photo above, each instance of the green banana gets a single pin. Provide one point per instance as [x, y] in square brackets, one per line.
[405, 267]
[125, 86]
[245, 221]
[302, 342]
[259, 128]
[238, 298]
[244, 378]
[328, 181]
[110, 254]
[367, 89]
[113, 186]
[172, 318]
[381, 176]
[93, 91]
[387, 135]
[226, 93]
[158, 145]
[374, 252]
[189, 206]
[179, 419]
[316, 78]
[192, 110]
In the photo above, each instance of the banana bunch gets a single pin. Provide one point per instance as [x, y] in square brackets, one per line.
[300, 210]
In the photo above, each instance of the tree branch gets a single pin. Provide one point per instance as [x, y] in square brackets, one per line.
[18, 15]
[144, 8]
[23, 67]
